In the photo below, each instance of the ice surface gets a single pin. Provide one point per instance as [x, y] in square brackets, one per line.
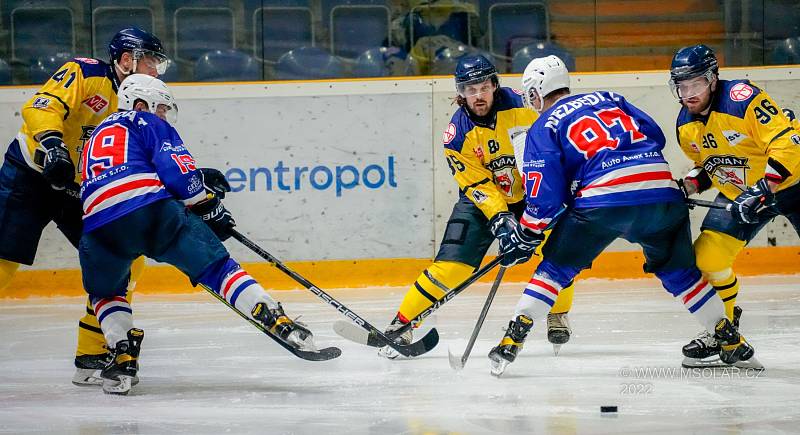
[204, 370]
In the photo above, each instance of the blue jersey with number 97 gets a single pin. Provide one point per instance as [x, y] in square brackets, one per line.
[593, 150]
[133, 159]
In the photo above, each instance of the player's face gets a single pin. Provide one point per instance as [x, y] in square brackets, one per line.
[147, 65]
[695, 93]
[480, 97]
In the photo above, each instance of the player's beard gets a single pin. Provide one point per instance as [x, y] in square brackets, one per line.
[481, 107]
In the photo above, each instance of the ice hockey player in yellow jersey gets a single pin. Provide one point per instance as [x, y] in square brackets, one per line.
[745, 146]
[39, 178]
[479, 151]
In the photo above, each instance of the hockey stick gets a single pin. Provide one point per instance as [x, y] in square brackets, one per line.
[319, 355]
[709, 204]
[414, 349]
[346, 330]
[458, 363]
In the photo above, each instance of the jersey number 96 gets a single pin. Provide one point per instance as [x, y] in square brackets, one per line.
[107, 148]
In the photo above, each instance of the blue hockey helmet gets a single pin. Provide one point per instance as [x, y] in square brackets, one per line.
[690, 62]
[472, 69]
[140, 43]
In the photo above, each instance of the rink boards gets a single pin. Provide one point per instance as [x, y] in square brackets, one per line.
[346, 180]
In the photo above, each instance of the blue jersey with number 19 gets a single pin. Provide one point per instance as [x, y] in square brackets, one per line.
[593, 150]
[133, 159]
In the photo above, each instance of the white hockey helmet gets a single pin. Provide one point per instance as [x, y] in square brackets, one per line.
[544, 75]
[150, 90]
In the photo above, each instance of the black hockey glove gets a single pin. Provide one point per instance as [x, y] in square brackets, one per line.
[517, 243]
[756, 198]
[215, 182]
[216, 216]
[58, 168]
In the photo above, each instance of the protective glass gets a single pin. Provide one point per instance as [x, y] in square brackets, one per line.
[691, 87]
[168, 112]
[154, 60]
[475, 87]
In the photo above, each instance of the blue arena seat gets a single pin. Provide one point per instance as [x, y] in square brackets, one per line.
[43, 68]
[278, 29]
[108, 20]
[786, 52]
[309, 63]
[226, 66]
[446, 59]
[37, 32]
[5, 73]
[356, 28]
[524, 55]
[513, 25]
[385, 62]
[198, 29]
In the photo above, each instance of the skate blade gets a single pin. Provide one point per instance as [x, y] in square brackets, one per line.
[305, 344]
[498, 366]
[556, 349]
[118, 387]
[389, 352]
[715, 362]
[87, 378]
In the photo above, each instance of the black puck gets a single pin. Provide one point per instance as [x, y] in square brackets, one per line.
[608, 408]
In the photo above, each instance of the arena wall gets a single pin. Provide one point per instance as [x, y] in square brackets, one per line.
[346, 180]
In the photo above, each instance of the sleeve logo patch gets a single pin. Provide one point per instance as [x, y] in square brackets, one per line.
[795, 139]
[741, 92]
[96, 103]
[479, 196]
[449, 133]
[41, 103]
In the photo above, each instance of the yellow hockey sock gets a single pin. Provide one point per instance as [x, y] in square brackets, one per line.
[564, 300]
[7, 271]
[727, 289]
[431, 285]
[715, 254]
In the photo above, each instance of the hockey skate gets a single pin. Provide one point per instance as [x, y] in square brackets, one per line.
[87, 369]
[703, 351]
[121, 369]
[506, 352]
[558, 330]
[403, 339]
[734, 349]
[292, 333]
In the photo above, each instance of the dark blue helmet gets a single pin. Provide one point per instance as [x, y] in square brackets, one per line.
[691, 62]
[140, 43]
[474, 68]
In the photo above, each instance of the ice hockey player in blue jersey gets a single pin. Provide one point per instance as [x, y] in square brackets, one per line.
[143, 195]
[595, 172]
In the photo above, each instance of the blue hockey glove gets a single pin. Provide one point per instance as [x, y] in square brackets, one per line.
[756, 198]
[517, 243]
[216, 216]
[215, 182]
[58, 168]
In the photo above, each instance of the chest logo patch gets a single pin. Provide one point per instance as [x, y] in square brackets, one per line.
[96, 103]
[503, 173]
[449, 133]
[728, 169]
[741, 92]
[733, 136]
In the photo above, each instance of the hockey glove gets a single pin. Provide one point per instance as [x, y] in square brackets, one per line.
[756, 198]
[517, 243]
[215, 182]
[58, 168]
[216, 216]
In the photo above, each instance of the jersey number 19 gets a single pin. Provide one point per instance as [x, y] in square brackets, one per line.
[107, 148]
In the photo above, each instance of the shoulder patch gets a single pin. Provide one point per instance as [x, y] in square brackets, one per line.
[517, 91]
[449, 134]
[87, 60]
[92, 67]
[740, 92]
[40, 103]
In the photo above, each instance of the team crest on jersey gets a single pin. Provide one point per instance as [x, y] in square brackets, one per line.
[795, 139]
[733, 136]
[741, 92]
[449, 133]
[96, 103]
[728, 169]
[40, 103]
[86, 131]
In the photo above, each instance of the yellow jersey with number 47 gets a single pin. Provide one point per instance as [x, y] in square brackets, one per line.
[73, 102]
[745, 137]
[480, 152]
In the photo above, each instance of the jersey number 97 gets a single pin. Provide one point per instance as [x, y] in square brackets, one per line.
[107, 148]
